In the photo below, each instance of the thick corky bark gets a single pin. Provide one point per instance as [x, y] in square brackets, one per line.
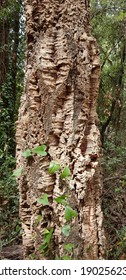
[58, 108]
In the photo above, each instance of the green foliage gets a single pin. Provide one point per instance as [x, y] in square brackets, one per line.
[47, 234]
[118, 250]
[121, 243]
[18, 172]
[43, 200]
[61, 199]
[53, 167]
[11, 86]
[108, 27]
[7, 11]
[66, 230]
[113, 200]
[27, 153]
[39, 218]
[10, 228]
[66, 258]
[66, 172]
[40, 150]
[70, 213]
[69, 247]
[108, 21]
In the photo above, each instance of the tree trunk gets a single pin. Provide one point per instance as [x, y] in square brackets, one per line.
[4, 41]
[58, 108]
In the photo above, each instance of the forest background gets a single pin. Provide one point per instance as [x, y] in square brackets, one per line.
[108, 19]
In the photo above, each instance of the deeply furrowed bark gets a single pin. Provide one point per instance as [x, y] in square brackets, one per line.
[58, 108]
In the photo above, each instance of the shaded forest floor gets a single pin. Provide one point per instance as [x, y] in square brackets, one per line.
[113, 205]
[114, 199]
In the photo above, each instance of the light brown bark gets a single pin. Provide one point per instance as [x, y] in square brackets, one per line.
[58, 108]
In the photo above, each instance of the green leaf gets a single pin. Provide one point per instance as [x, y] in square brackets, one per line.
[58, 258]
[43, 199]
[53, 167]
[40, 150]
[69, 213]
[65, 173]
[45, 231]
[17, 172]
[68, 247]
[61, 199]
[66, 258]
[48, 236]
[43, 246]
[27, 153]
[66, 230]
[39, 218]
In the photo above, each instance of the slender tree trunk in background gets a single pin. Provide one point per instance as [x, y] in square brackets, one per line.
[14, 68]
[9, 42]
[58, 108]
[15, 56]
[4, 40]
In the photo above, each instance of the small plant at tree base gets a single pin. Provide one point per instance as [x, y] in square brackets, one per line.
[47, 234]
[69, 212]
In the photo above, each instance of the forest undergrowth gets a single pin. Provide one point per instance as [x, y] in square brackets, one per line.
[114, 199]
[113, 203]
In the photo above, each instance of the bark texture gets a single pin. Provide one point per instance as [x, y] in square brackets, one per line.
[58, 108]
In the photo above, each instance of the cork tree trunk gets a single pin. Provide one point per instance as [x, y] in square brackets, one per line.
[58, 109]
